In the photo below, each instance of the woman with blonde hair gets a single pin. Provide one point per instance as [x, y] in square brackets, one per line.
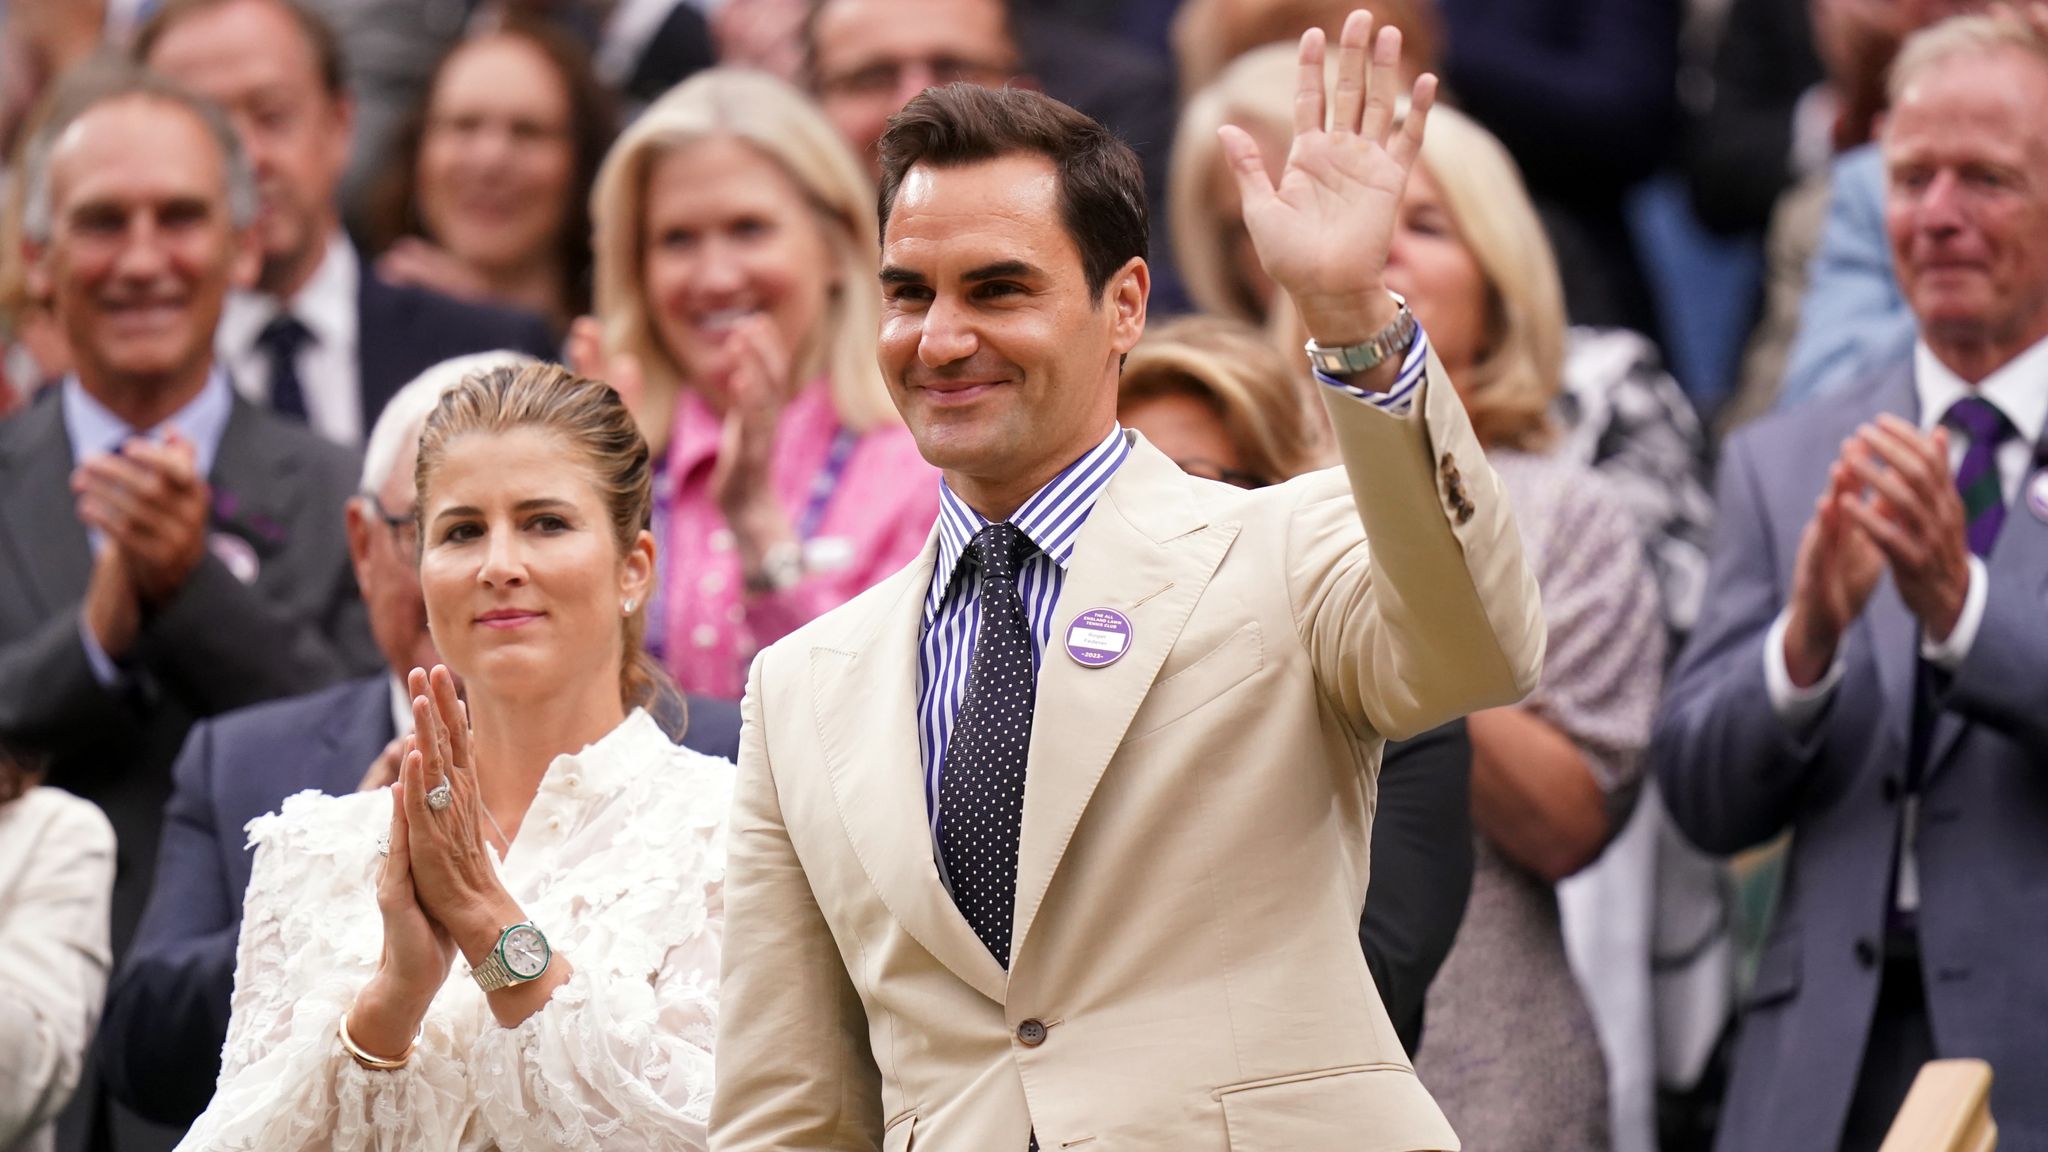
[543, 830]
[737, 302]
[1218, 398]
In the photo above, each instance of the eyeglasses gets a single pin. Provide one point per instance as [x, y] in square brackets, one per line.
[884, 78]
[405, 529]
[1210, 470]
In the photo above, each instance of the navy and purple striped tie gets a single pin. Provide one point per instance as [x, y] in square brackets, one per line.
[1977, 479]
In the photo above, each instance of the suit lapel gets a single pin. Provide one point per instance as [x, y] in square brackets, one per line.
[37, 508]
[865, 694]
[2019, 561]
[1147, 552]
[353, 735]
[255, 486]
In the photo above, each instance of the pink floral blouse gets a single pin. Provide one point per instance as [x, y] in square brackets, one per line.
[868, 503]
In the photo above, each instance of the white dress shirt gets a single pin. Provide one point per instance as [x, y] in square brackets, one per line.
[2020, 391]
[56, 881]
[330, 365]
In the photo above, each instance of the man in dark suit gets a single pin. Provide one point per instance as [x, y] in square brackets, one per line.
[167, 1012]
[321, 338]
[1896, 726]
[169, 550]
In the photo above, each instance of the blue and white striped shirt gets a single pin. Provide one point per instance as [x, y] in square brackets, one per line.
[1052, 519]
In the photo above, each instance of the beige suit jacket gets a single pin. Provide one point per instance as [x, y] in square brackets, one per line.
[1185, 964]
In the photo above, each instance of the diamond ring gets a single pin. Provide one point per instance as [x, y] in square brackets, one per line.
[439, 797]
[383, 843]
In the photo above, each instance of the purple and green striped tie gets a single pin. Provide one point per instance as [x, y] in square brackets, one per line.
[1977, 478]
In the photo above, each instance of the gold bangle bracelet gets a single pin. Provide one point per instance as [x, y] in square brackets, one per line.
[363, 1058]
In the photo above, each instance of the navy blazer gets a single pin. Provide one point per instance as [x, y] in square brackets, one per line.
[167, 1010]
[1734, 777]
[402, 331]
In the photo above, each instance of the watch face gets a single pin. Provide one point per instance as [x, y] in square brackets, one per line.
[525, 951]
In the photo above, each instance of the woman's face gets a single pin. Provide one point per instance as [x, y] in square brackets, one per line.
[523, 582]
[729, 235]
[1430, 265]
[497, 162]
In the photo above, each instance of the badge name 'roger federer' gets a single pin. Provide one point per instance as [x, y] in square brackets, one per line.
[237, 555]
[1099, 637]
[2037, 495]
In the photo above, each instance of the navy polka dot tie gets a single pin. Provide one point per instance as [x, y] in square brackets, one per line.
[981, 787]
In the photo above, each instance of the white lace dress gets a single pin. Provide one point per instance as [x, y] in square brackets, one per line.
[620, 860]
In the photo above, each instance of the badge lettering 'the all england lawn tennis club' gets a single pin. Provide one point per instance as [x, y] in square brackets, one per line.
[1099, 637]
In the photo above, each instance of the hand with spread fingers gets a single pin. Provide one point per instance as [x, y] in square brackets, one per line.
[446, 832]
[1323, 230]
[1912, 512]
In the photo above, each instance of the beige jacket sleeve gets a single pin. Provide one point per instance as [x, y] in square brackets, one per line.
[794, 1069]
[1434, 613]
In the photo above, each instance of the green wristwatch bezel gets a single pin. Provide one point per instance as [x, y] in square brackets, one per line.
[509, 961]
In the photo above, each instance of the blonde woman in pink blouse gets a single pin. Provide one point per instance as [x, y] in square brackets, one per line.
[737, 304]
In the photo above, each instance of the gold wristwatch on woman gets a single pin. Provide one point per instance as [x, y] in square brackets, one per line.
[521, 954]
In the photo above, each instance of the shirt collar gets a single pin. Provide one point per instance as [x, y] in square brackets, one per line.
[326, 305]
[94, 428]
[1051, 518]
[2018, 389]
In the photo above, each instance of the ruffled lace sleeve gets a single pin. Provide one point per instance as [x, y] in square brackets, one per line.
[310, 936]
[620, 1057]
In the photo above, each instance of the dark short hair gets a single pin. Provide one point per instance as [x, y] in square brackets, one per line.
[320, 36]
[1102, 187]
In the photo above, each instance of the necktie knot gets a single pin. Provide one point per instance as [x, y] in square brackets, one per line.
[1980, 420]
[284, 335]
[1000, 549]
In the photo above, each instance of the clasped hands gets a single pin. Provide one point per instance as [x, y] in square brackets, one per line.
[1323, 230]
[149, 505]
[1890, 504]
[438, 890]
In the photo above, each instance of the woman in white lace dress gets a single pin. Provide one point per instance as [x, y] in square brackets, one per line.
[545, 840]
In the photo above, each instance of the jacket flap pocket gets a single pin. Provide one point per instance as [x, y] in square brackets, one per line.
[1179, 691]
[1363, 1108]
[1777, 971]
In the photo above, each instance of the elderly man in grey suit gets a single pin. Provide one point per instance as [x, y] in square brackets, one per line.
[167, 551]
[1868, 670]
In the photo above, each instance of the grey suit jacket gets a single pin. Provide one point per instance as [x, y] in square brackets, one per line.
[1734, 776]
[219, 644]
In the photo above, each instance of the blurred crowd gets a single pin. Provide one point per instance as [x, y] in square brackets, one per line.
[1766, 837]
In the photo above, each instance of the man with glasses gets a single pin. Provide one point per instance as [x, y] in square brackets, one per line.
[167, 1010]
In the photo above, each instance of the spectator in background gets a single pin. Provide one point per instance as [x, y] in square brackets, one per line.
[1209, 34]
[167, 1013]
[1513, 1054]
[185, 559]
[737, 298]
[1584, 95]
[1895, 725]
[1771, 117]
[56, 874]
[487, 196]
[865, 59]
[321, 338]
[1853, 315]
[1217, 398]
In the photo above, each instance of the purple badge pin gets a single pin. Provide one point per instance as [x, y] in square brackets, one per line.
[2037, 496]
[1099, 637]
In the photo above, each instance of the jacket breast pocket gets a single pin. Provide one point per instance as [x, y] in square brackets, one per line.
[1185, 685]
[1359, 1108]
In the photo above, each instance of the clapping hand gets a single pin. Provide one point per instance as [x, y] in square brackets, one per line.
[450, 859]
[753, 375]
[1913, 514]
[151, 501]
[1322, 232]
[1837, 568]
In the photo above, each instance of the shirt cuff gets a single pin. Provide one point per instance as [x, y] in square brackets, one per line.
[104, 669]
[1950, 653]
[1797, 707]
[1400, 399]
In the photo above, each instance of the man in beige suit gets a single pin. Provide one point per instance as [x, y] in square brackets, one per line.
[1148, 939]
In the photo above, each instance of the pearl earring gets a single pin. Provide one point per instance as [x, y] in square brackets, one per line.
[630, 605]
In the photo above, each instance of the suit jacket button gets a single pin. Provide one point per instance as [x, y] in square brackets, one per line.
[1866, 952]
[1031, 1033]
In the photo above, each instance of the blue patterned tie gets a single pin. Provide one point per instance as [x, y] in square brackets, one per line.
[1977, 479]
[281, 340]
[981, 785]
